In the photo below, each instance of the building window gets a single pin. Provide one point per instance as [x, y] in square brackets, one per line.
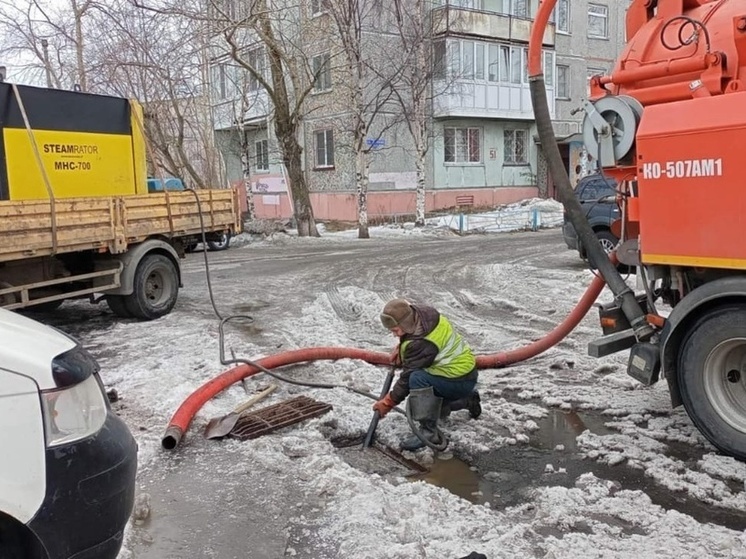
[516, 147]
[516, 66]
[598, 21]
[319, 7]
[563, 82]
[322, 73]
[467, 65]
[324, 149]
[220, 80]
[548, 68]
[517, 8]
[262, 155]
[463, 145]
[439, 60]
[256, 59]
[561, 16]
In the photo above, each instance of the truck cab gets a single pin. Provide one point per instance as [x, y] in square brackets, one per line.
[67, 477]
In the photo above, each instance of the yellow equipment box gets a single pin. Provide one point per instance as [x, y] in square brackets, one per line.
[88, 145]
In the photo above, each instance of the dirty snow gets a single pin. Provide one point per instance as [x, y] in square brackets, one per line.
[155, 366]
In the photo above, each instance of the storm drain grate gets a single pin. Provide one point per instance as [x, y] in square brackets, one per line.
[266, 420]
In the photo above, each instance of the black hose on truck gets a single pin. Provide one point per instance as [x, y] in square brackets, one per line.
[624, 296]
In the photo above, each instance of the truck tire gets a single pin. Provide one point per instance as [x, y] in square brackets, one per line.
[156, 286]
[118, 305]
[712, 378]
[221, 244]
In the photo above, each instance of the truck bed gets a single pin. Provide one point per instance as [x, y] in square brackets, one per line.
[110, 224]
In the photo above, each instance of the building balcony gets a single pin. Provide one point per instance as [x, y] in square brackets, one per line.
[255, 107]
[454, 20]
[480, 99]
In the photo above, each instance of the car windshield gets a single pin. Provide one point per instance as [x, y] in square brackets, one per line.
[597, 188]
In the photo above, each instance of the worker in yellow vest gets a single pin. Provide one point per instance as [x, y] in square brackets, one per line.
[438, 368]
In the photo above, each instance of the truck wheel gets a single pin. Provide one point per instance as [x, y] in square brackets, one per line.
[118, 305]
[222, 243]
[712, 378]
[156, 286]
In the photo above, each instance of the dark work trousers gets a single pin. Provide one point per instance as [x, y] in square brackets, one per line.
[446, 388]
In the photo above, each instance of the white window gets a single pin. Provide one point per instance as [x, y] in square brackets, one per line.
[516, 147]
[439, 60]
[563, 82]
[598, 21]
[322, 73]
[517, 8]
[324, 149]
[462, 145]
[467, 65]
[220, 80]
[319, 7]
[516, 67]
[548, 68]
[479, 61]
[493, 69]
[256, 59]
[262, 155]
[561, 16]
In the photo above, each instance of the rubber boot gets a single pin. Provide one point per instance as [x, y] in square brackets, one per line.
[424, 407]
[472, 403]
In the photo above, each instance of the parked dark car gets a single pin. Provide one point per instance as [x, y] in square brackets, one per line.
[597, 197]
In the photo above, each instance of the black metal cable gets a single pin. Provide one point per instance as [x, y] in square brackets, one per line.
[694, 38]
[223, 321]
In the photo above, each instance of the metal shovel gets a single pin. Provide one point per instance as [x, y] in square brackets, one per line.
[219, 427]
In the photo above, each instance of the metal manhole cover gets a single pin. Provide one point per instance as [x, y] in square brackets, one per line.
[266, 420]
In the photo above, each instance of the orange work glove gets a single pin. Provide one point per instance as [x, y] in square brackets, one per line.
[384, 405]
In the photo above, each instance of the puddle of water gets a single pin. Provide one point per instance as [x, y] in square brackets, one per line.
[506, 476]
[460, 479]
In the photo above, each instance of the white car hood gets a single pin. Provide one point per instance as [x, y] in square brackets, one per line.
[27, 347]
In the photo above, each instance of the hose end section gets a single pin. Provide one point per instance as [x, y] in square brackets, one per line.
[172, 437]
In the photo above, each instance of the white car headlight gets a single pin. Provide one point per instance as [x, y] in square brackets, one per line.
[74, 412]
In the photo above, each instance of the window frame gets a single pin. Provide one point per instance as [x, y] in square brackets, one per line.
[324, 71]
[468, 148]
[554, 19]
[512, 161]
[328, 140]
[259, 63]
[565, 70]
[262, 157]
[604, 16]
[318, 7]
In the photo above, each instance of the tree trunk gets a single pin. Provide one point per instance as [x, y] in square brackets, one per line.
[362, 166]
[286, 129]
[246, 174]
[302, 210]
[419, 220]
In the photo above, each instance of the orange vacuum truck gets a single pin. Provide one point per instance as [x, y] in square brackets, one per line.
[669, 124]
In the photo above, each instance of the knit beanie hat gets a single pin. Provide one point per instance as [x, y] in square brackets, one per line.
[398, 312]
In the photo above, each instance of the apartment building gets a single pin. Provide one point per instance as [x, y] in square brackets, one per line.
[484, 148]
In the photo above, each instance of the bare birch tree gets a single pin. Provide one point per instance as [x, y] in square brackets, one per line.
[368, 88]
[416, 87]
